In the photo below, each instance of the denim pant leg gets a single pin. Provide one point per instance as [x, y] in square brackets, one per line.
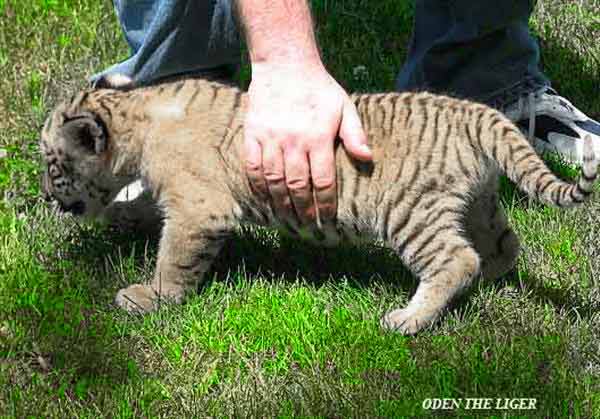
[471, 48]
[171, 37]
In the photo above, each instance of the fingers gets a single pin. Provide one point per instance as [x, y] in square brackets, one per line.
[289, 171]
[297, 179]
[274, 175]
[322, 167]
[353, 135]
[254, 167]
[293, 122]
[285, 176]
[292, 174]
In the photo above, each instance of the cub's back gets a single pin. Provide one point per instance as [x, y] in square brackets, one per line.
[421, 150]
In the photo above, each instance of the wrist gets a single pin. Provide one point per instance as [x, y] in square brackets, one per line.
[279, 33]
[287, 64]
[287, 56]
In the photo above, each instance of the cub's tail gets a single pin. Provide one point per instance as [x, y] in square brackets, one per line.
[519, 160]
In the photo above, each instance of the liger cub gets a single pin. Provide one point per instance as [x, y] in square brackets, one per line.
[430, 193]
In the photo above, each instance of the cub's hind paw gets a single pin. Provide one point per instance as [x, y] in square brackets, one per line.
[137, 299]
[405, 321]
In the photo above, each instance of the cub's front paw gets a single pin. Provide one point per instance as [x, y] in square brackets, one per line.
[406, 321]
[137, 298]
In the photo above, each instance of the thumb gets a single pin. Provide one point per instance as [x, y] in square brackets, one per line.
[353, 135]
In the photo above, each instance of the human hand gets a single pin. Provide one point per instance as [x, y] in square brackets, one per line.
[294, 115]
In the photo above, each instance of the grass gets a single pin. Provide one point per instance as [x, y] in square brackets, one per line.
[282, 328]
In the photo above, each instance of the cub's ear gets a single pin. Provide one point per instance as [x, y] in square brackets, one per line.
[87, 130]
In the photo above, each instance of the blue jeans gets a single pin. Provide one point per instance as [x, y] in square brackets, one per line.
[172, 37]
[467, 48]
[472, 48]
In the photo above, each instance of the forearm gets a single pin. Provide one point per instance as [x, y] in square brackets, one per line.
[279, 31]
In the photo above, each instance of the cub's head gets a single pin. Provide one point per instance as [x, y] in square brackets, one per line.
[76, 152]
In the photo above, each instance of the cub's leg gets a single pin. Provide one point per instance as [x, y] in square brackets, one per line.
[445, 263]
[141, 213]
[188, 246]
[494, 239]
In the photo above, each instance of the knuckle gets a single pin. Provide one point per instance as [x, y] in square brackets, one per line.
[296, 185]
[290, 138]
[253, 166]
[273, 176]
[323, 183]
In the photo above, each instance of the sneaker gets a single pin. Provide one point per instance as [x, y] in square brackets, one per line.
[553, 124]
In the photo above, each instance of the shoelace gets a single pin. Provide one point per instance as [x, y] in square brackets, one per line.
[525, 95]
[530, 105]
